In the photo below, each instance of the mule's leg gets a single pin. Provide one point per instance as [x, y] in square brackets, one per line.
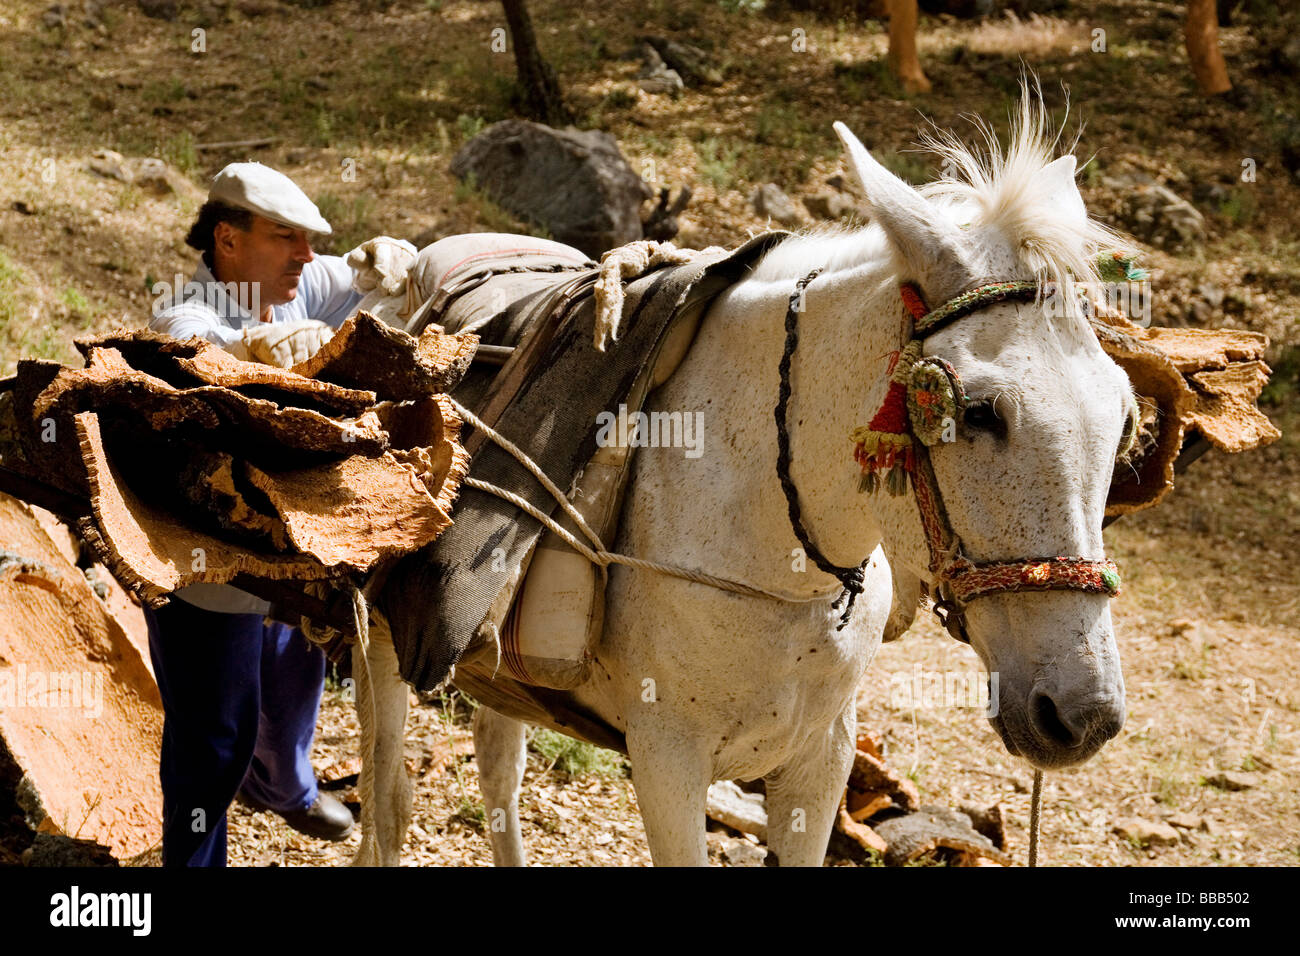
[502, 755]
[803, 795]
[671, 774]
[385, 786]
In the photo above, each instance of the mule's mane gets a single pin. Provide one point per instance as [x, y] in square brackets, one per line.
[983, 185]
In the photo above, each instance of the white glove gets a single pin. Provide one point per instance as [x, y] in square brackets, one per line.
[381, 263]
[285, 344]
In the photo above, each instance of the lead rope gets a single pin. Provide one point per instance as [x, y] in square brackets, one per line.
[1035, 805]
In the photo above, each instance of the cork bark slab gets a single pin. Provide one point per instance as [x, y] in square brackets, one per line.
[356, 511]
[109, 382]
[1146, 478]
[1225, 410]
[154, 552]
[367, 353]
[930, 828]
[186, 363]
[1202, 379]
[1194, 350]
[79, 710]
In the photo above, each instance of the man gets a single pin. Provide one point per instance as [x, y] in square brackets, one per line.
[241, 693]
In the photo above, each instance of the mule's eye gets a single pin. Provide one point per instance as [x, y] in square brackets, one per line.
[983, 416]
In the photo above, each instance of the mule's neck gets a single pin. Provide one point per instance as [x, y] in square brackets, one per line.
[852, 325]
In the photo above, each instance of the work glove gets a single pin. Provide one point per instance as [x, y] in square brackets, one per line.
[381, 263]
[284, 344]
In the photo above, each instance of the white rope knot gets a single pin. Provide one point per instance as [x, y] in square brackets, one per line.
[628, 262]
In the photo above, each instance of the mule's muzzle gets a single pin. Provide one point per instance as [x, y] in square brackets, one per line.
[1052, 731]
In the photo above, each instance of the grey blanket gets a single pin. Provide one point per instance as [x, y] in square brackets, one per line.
[436, 598]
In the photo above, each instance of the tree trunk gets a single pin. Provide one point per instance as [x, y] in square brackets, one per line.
[1202, 34]
[902, 46]
[537, 83]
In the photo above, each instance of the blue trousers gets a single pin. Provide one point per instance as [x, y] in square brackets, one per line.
[240, 699]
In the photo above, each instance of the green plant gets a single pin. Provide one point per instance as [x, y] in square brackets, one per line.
[469, 126]
[164, 92]
[575, 757]
[74, 300]
[471, 813]
[181, 153]
[1239, 206]
[717, 162]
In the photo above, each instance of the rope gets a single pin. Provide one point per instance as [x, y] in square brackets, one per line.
[603, 558]
[850, 578]
[1035, 806]
[597, 553]
[365, 695]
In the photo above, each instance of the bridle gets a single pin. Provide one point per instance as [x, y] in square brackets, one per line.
[924, 402]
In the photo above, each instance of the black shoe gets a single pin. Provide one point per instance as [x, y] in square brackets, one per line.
[326, 819]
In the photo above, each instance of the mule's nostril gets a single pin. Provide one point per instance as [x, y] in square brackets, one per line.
[1048, 722]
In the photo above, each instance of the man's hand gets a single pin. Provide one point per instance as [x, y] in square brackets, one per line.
[285, 344]
[381, 263]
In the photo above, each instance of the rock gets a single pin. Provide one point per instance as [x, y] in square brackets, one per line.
[55, 849]
[830, 205]
[690, 62]
[575, 184]
[53, 17]
[1155, 213]
[156, 176]
[158, 9]
[771, 201]
[111, 165]
[144, 171]
[743, 853]
[19, 206]
[667, 83]
[1186, 821]
[1234, 780]
[1146, 832]
[746, 812]
[656, 76]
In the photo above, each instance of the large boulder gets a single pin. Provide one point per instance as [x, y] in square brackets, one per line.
[573, 183]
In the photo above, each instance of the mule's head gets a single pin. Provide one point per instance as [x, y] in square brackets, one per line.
[1027, 470]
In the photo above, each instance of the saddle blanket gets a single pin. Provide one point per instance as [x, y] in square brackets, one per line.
[550, 400]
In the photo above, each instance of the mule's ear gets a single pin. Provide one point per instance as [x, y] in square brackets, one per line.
[927, 239]
[1056, 179]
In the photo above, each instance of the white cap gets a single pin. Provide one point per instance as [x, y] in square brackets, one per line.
[268, 193]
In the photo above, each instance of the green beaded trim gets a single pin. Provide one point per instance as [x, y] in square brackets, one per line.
[975, 299]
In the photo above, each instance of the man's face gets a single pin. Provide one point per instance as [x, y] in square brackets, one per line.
[267, 253]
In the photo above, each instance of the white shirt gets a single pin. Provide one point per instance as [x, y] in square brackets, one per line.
[211, 310]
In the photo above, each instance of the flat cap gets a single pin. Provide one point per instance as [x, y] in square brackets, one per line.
[268, 193]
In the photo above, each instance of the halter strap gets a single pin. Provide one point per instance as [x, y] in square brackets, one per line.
[928, 322]
[850, 578]
[957, 579]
